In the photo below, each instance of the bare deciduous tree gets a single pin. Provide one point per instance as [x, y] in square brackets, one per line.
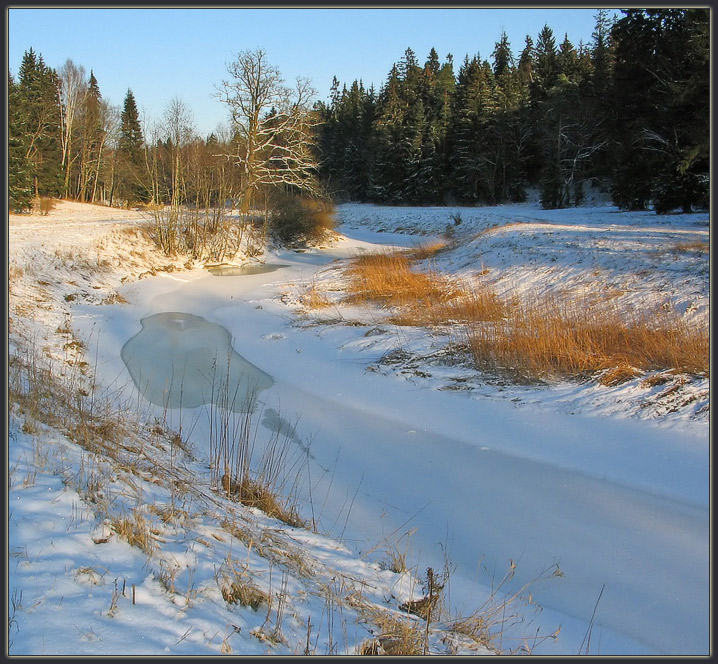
[272, 125]
[73, 89]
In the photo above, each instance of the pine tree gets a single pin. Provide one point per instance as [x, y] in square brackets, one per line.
[20, 180]
[132, 182]
[661, 109]
[39, 108]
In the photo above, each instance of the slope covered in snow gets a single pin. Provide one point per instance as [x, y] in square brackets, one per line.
[591, 499]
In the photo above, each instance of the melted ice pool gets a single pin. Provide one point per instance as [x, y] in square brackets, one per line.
[179, 360]
[241, 270]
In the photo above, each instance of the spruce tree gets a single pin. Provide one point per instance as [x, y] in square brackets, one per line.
[546, 64]
[507, 125]
[473, 173]
[39, 109]
[661, 109]
[19, 176]
[567, 60]
[131, 186]
[93, 136]
[502, 56]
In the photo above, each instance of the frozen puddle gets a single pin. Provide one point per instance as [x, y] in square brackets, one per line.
[225, 270]
[179, 360]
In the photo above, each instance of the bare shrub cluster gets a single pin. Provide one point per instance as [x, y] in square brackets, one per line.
[203, 234]
[43, 205]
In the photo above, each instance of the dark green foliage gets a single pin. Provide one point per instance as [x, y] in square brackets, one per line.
[347, 136]
[629, 111]
[132, 185]
[36, 126]
[20, 180]
[661, 99]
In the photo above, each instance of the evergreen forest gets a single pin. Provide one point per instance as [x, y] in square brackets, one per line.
[628, 113]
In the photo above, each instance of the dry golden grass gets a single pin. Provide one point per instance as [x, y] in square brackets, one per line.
[425, 250]
[560, 338]
[135, 530]
[387, 278]
[544, 337]
[254, 492]
[479, 304]
[237, 588]
[397, 635]
[14, 273]
[697, 246]
[313, 298]
[619, 374]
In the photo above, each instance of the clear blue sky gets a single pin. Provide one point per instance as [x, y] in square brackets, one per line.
[163, 53]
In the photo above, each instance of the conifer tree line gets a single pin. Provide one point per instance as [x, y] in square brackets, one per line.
[629, 112]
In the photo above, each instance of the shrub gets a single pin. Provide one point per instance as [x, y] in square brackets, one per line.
[298, 219]
[44, 205]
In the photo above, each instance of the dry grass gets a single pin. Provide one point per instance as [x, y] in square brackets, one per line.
[244, 472]
[387, 278]
[135, 529]
[539, 338]
[697, 247]
[237, 588]
[397, 636]
[489, 623]
[253, 492]
[426, 250]
[617, 375]
[478, 304]
[313, 298]
[553, 337]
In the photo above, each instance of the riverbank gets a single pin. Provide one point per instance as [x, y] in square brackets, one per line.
[473, 477]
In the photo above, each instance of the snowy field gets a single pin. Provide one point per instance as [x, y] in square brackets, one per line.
[593, 499]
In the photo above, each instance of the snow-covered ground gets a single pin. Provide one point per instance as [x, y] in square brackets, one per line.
[595, 499]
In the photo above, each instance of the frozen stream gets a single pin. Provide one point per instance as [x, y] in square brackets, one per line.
[617, 504]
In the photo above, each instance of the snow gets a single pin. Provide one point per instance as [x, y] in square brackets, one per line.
[598, 495]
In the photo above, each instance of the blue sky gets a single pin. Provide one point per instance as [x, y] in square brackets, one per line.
[164, 53]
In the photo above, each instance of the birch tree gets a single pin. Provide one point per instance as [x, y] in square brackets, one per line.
[73, 91]
[272, 126]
